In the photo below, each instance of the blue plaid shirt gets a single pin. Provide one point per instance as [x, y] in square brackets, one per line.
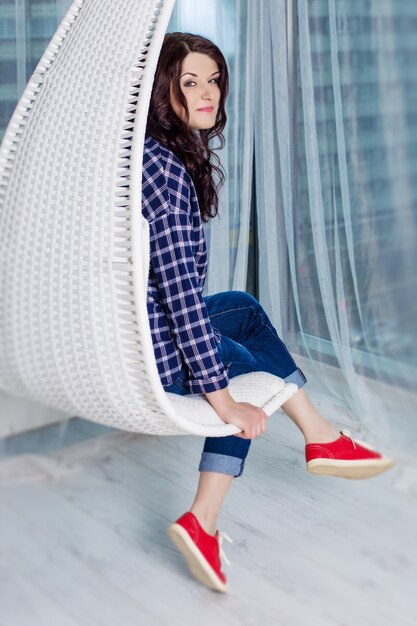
[178, 317]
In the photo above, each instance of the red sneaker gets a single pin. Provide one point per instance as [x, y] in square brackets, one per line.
[201, 550]
[345, 457]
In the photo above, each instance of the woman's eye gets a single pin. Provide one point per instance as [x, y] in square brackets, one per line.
[189, 83]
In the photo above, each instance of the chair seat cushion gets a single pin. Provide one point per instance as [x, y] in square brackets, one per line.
[197, 416]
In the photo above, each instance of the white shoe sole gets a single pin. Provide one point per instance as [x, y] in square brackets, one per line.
[197, 564]
[349, 469]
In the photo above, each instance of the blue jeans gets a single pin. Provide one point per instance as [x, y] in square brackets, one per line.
[249, 344]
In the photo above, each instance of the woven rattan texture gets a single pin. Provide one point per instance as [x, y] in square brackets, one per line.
[74, 332]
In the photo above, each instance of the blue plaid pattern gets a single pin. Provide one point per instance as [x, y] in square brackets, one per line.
[178, 317]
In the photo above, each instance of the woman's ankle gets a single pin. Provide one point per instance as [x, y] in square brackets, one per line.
[322, 436]
[209, 525]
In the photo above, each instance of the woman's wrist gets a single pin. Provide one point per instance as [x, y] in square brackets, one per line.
[220, 400]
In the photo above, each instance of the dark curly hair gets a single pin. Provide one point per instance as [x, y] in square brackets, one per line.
[191, 147]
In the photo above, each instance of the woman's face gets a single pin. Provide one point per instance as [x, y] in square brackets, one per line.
[199, 84]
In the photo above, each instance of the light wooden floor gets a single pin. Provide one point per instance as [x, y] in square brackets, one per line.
[83, 517]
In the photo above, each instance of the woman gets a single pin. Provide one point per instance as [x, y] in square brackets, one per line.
[201, 342]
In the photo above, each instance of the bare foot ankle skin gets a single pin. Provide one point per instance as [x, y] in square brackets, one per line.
[326, 436]
[209, 526]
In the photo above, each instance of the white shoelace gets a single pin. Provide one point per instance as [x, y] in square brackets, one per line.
[223, 535]
[347, 433]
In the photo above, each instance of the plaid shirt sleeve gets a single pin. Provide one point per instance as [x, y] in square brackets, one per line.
[174, 264]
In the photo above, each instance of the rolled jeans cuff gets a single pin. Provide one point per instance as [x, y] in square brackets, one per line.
[296, 377]
[222, 463]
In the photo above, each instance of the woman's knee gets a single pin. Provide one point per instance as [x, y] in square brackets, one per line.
[232, 299]
[245, 298]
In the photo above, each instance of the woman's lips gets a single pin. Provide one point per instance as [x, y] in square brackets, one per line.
[206, 109]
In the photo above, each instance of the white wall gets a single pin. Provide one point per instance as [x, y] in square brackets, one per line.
[19, 414]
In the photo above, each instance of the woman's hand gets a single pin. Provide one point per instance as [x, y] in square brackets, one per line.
[249, 418]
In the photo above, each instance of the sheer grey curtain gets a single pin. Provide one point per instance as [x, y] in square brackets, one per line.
[335, 133]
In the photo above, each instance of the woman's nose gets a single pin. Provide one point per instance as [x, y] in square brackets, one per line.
[207, 92]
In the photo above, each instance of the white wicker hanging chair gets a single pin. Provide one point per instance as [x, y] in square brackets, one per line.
[74, 256]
